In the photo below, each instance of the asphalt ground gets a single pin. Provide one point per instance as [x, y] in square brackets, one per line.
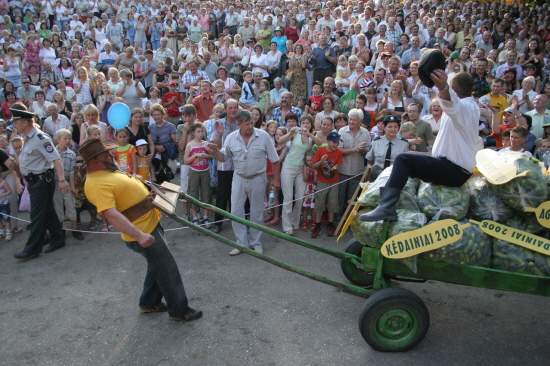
[78, 306]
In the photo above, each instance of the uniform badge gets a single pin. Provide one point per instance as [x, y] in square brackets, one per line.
[49, 147]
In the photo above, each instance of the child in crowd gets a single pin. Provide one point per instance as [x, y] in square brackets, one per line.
[264, 99]
[81, 202]
[125, 153]
[540, 153]
[220, 96]
[153, 99]
[4, 144]
[3, 127]
[105, 101]
[379, 129]
[342, 73]
[301, 103]
[196, 157]
[310, 177]
[5, 210]
[77, 107]
[183, 136]
[326, 161]
[282, 149]
[247, 98]
[144, 168]
[60, 199]
[314, 103]
[505, 137]
[93, 132]
[161, 79]
[271, 129]
[408, 132]
[518, 135]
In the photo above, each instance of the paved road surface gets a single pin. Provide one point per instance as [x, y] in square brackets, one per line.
[78, 306]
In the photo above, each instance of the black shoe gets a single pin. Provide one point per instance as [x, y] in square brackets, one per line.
[78, 235]
[191, 315]
[216, 229]
[386, 207]
[53, 249]
[156, 309]
[25, 255]
[317, 231]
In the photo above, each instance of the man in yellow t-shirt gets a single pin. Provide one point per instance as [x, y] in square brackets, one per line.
[123, 201]
[497, 101]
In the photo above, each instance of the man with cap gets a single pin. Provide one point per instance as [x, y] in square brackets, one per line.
[453, 153]
[499, 125]
[248, 147]
[384, 149]
[39, 161]
[126, 203]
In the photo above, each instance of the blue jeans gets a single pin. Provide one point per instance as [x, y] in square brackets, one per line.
[156, 44]
[162, 278]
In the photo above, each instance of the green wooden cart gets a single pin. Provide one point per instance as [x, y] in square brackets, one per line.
[392, 319]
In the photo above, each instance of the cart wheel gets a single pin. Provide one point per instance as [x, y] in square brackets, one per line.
[355, 275]
[394, 320]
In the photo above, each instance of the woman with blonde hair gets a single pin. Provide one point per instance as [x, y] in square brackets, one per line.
[91, 115]
[164, 136]
[63, 106]
[395, 100]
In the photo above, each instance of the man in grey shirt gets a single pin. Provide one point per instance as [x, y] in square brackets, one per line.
[248, 147]
[210, 68]
[148, 68]
[26, 92]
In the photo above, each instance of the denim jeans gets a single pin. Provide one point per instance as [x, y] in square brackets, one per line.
[162, 277]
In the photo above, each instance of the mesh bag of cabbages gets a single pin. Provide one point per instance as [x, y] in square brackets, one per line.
[439, 202]
[484, 202]
[528, 191]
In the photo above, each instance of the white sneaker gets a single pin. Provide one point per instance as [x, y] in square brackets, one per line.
[235, 252]
[259, 250]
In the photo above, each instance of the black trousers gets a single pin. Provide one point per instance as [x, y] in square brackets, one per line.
[322, 74]
[223, 198]
[427, 168]
[43, 216]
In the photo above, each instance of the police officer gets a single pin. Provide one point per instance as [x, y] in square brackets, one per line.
[384, 149]
[37, 161]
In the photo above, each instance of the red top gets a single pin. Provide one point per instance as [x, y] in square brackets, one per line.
[292, 34]
[499, 137]
[204, 106]
[324, 172]
[173, 109]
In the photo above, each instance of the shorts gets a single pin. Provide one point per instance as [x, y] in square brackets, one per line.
[327, 194]
[5, 210]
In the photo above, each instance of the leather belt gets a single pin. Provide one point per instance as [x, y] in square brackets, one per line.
[250, 176]
[31, 177]
[139, 209]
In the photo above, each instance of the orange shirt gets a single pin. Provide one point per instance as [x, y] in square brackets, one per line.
[123, 156]
[499, 137]
[325, 174]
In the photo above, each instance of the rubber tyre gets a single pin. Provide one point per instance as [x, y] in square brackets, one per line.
[394, 320]
[355, 275]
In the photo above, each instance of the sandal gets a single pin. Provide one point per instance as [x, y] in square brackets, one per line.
[269, 218]
[273, 222]
[17, 230]
[104, 229]
[111, 227]
[304, 225]
[93, 226]
[289, 232]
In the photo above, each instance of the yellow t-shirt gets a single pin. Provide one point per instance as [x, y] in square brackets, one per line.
[106, 190]
[499, 103]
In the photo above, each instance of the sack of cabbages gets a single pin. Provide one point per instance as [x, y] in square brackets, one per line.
[522, 192]
[369, 233]
[474, 249]
[514, 258]
[371, 196]
[526, 222]
[484, 203]
[441, 202]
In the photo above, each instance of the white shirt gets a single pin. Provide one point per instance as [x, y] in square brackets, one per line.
[51, 127]
[458, 131]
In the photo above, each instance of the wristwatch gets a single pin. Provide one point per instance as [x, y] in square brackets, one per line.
[62, 181]
[445, 88]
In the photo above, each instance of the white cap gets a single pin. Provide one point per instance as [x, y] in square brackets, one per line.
[141, 142]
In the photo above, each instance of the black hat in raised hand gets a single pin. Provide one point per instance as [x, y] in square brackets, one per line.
[430, 60]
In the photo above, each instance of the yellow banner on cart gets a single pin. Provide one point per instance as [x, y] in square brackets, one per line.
[542, 213]
[430, 237]
[514, 236]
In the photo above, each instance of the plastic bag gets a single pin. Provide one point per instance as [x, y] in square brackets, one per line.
[371, 197]
[514, 258]
[442, 202]
[25, 202]
[475, 248]
[527, 222]
[368, 233]
[484, 203]
[522, 192]
[347, 101]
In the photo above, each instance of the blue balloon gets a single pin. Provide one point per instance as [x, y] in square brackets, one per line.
[119, 115]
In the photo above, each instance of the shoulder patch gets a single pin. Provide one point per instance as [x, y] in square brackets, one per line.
[377, 138]
[40, 136]
[48, 146]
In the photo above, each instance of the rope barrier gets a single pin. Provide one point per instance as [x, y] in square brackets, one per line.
[187, 227]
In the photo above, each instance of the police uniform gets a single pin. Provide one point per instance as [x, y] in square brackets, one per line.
[379, 149]
[36, 162]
